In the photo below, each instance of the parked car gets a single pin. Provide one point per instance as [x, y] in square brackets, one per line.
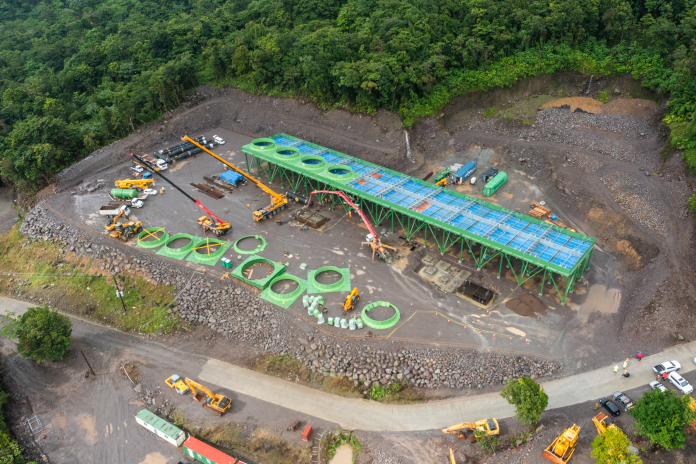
[150, 192]
[623, 400]
[655, 385]
[681, 383]
[137, 168]
[667, 367]
[611, 408]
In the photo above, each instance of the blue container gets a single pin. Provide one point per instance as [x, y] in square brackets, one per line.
[464, 172]
[231, 177]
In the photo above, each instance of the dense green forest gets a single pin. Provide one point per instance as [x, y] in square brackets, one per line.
[78, 74]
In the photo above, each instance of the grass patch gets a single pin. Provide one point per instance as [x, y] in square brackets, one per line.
[72, 284]
[488, 443]
[522, 438]
[332, 440]
[603, 96]
[397, 393]
[489, 112]
[692, 205]
[245, 443]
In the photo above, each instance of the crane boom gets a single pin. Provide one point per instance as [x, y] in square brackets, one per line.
[275, 197]
[221, 224]
[347, 200]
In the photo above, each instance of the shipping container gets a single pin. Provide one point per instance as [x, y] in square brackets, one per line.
[464, 172]
[160, 427]
[489, 174]
[202, 452]
[494, 184]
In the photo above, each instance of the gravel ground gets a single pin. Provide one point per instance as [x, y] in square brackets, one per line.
[236, 313]
[637, 200]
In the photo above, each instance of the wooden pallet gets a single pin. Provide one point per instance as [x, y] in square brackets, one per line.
[211, 192]
[215, 181]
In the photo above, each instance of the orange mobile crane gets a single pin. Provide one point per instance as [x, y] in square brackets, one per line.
[218, 403]
[278, 201]
[372, 239]
[218, 227]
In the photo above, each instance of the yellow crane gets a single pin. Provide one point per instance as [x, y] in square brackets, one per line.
[485, 426]
[134, 183]
[563, 446]
[278, 201]
[218, 403]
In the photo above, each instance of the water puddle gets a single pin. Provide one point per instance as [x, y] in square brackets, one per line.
[344, 455]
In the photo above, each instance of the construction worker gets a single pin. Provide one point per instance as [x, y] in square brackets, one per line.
[639, 355]
[625, 373]
[625, 363]
[162, 191]
[616, 369]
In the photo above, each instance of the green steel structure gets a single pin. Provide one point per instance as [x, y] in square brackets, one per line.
[527, 246]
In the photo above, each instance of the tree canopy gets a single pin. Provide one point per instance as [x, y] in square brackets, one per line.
[663, 417]
[43, 335]
[611, 447]
[78, 74]
[529, 399]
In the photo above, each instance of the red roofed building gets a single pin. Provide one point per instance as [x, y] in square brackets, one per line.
[199, 451]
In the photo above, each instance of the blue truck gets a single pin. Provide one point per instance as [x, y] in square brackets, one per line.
[464, 172]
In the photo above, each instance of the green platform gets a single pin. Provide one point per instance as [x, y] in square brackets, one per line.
[278, 269]
[342, 285]
[204, 258]
[178, 253]
[258, 249]
[284, 300]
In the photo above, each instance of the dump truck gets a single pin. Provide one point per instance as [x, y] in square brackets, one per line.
[177, 384]
[134, 183]
[562, 448]
[484, 427]
[218, 403]
[114, 210]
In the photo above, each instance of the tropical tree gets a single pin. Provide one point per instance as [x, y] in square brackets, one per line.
[611, 447]
[528, 397]
[663, 417]
[42, 334]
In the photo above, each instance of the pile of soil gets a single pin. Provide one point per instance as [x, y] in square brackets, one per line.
[636, 107]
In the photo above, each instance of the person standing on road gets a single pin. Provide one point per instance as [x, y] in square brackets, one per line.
[639, 355]
[616, 369]
[625, 363]
[626, 374]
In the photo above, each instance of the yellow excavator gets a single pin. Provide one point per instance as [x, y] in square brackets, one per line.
[603, 423]
[126, 231]
[112, 222]
[351, 300]
[563, 446]
[218, 403]
[484, 426]
[278, 201]
[134, 183]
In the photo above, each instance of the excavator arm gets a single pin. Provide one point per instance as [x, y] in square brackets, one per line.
[195, 386]
[459, 427]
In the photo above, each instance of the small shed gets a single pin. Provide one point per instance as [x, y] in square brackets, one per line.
[205, 453]
[231, 177]
[160, 427]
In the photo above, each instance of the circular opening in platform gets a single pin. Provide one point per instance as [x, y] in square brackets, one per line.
[250, 244]
[154, 236]
[340, 171]
[328, 277]
[208, 248]
[264, 144]
[182, 242]
[286, 152]
[383, 315]
[257, 271]
[312, 160]
[285, 286]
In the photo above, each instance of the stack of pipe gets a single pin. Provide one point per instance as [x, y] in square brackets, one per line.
[183, 150]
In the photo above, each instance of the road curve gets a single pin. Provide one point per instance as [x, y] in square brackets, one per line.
[353, 414]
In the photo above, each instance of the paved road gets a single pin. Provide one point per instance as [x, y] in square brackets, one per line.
[352, 413]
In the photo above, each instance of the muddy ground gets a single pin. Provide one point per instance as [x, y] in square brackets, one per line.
[640, 286]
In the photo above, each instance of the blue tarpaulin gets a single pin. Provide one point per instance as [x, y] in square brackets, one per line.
[231, 177]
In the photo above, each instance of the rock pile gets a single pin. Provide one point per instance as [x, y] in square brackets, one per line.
[637, 200]
[427, 368]
[236, 312]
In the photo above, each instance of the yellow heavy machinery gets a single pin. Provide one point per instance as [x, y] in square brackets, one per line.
[451, 456]
[278, 201]
[563, 446]
[134, 183]
[218, 403]
[351, 300]
[484, 426]
[603, 423]
[127, 231]
[177, 384]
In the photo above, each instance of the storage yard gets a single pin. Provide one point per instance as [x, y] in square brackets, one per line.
[545, 249]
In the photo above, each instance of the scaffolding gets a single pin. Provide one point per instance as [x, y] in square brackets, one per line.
[449, 219]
